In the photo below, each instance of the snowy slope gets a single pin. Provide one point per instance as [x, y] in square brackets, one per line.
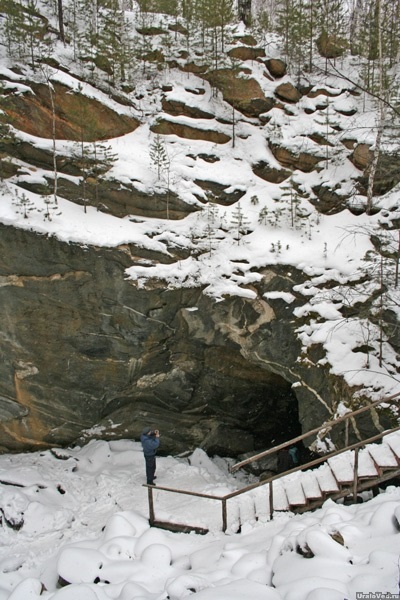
[333, 250]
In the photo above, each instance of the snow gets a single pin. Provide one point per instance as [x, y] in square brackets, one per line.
[85, 521]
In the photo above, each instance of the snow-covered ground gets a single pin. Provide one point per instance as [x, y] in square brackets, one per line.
[83, 517]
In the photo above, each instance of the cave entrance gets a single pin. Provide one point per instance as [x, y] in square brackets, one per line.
[247, 399]
[273, 414]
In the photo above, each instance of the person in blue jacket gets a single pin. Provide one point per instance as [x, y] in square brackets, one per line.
[150, 443]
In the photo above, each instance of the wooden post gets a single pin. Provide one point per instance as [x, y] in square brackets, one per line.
[151, 505]
[271, 500]
[224, 515]
[355, 476]
[346, 437]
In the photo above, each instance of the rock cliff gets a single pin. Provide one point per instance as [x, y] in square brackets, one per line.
[88, 354]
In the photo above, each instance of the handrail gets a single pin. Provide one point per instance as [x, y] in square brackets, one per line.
[312, 463]
[327, 425]
[269, 480]
[185, 492]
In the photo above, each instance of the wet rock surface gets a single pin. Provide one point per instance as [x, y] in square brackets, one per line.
[88, 354]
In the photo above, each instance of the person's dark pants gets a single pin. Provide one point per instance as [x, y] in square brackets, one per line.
[150, 469]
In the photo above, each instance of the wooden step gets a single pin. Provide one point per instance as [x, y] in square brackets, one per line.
[294, 490]
[393, 441]
[311, 488]
[261, 502]
[247, 509]
[280, 500]
[366, 465]
[326, 480]
[383, 456]
[342, 467]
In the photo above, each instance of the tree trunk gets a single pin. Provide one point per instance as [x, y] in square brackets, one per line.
[61, 21]
[244, 9]
[382, 114]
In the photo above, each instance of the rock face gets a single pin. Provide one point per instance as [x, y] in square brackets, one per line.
[387, 174]
[77, 117]
[304, 161]
[165, 127]
[87, 353]
[243, 93]
[83, 346]
[246, 53]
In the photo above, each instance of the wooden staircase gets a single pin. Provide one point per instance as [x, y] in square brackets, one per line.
[306, 489]
[377, 463]
[345, 472]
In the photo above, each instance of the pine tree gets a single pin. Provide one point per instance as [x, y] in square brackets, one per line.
[114, 45]
[159, 156]
[382, 109]
[26, 36]
[71, 18]
[331, 22]
[239, 223]
[12, 28]
[211, 213]
[284, 19]
[57, 9]
[7, 138]
[355, 26]
[290, 195]
[391, 18]
[23, 204]
[87, 37]
[51, 208]
[213, 17]
[296, 24]
[37, 39]
[263, 216]
[100, 160]
[61, 20]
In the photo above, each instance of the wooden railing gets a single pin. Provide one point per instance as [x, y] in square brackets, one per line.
[269, 481]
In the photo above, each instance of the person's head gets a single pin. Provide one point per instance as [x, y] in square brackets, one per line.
[146, 430]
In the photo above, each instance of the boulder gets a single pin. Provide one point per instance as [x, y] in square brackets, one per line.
[271, 174]
[150, 31]
[361, 156]
[243, 93]
[177, 107]
[387, 173]
[276, 67]
[166, 127]
[247, 40]
[246, 53]
[303, 161]
[179, 28]
[219, 193]
[195, 68]
[331, 45]
[329, 201]
[287, 92]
